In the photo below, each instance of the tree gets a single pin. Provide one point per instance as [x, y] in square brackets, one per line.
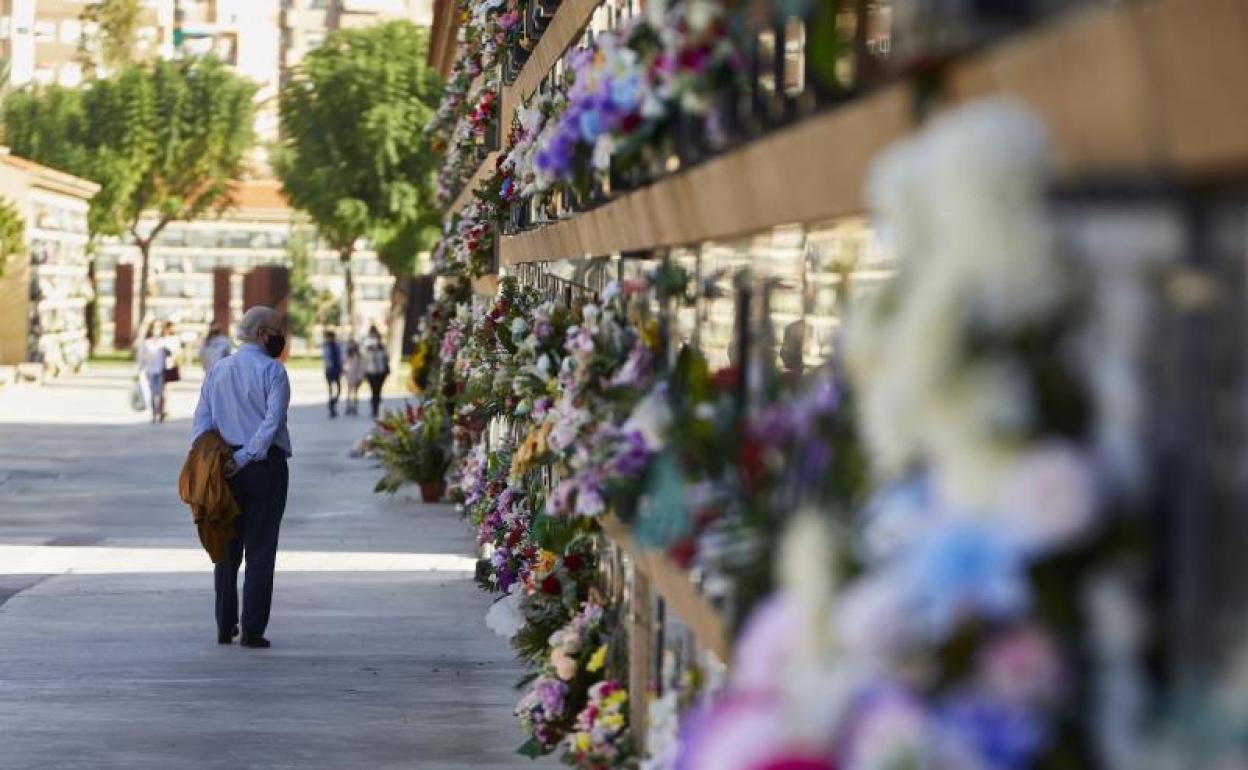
[162, 139]
[114, 44]
[12, 232]
[308, 307]
[353, 154]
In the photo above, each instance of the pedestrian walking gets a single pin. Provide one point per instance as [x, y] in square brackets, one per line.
[153, 359]
[216, 347]
[376, 367]
[173, 363]
[353, 367]
[245, 399]
[331, 355]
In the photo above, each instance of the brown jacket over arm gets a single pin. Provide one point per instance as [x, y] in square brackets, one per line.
[203, 487]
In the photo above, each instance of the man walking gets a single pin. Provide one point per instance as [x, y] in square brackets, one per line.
[245, 398]
[331, 355]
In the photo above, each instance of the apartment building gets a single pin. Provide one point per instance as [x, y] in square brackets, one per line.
[189, 258]
[45, 292]
[305, 23]
[43, 40]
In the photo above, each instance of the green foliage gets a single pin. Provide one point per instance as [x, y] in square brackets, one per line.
[411, 449]
[308, 307]
[12, 232]
[114, 44]
[165, 138]
[354, 155]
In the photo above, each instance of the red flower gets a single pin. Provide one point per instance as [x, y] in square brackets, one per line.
[728, 378]
[552, 586]
[411, 414]
[573, 562]
[683, 552]
[703, 518]
[752, 467]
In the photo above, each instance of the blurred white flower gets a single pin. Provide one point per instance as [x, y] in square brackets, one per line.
[807, 567]
[651, 418]
[504, 616]
[872, 617]
[1049, 498]
[663, 732]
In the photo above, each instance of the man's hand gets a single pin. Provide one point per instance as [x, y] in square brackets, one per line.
[230, 467]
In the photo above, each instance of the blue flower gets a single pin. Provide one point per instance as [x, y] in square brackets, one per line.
[966, 570]
[626, 92]
[590, 124]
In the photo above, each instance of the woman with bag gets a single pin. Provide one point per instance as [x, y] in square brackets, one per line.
[173, 363]
[376, 366]
[153, 360]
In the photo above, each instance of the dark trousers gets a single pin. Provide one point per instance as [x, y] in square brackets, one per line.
[335, 389]
[260, 489]
[374, 385]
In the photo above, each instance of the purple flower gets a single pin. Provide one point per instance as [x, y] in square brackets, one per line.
[504, 500]
[631, 459]
[815, 456]
[589, 500]
[551, 693]
[1001, 735]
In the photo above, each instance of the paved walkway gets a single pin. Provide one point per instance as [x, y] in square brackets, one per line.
[108, 655]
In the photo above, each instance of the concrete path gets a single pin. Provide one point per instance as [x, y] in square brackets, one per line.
[108, 656]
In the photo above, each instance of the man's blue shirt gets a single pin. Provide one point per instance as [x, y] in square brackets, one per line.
[245, 398]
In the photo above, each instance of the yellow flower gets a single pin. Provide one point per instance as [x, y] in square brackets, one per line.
[597, 660]
[616, 698]
[533, 447]
[582, 741]
[546, 562]
[614, 721]
[650, 334]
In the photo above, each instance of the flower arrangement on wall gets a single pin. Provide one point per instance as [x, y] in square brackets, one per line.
[925, 547]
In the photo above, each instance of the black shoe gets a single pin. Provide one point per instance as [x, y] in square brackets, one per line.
[226, 636]
[259, 642]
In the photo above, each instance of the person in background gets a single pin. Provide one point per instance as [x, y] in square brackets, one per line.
[173, 364]
[216, 347]
[331, 355]
[153, 359]
[245, 399]
[376, 367]
[353, 367]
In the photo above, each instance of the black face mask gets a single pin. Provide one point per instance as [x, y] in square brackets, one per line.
[275, 344]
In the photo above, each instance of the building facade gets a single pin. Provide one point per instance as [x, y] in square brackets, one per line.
[188, 259]
[305, 23]
[45, 293]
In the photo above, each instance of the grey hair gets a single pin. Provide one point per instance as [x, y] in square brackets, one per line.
[256, 317]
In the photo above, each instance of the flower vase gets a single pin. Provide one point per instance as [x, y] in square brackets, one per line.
[432, 491]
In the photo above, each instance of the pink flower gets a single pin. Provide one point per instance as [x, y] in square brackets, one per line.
[768, 639]
[743, 731]
[1022, 666]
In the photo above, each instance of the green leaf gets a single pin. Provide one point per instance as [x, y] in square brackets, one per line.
[533, 749]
